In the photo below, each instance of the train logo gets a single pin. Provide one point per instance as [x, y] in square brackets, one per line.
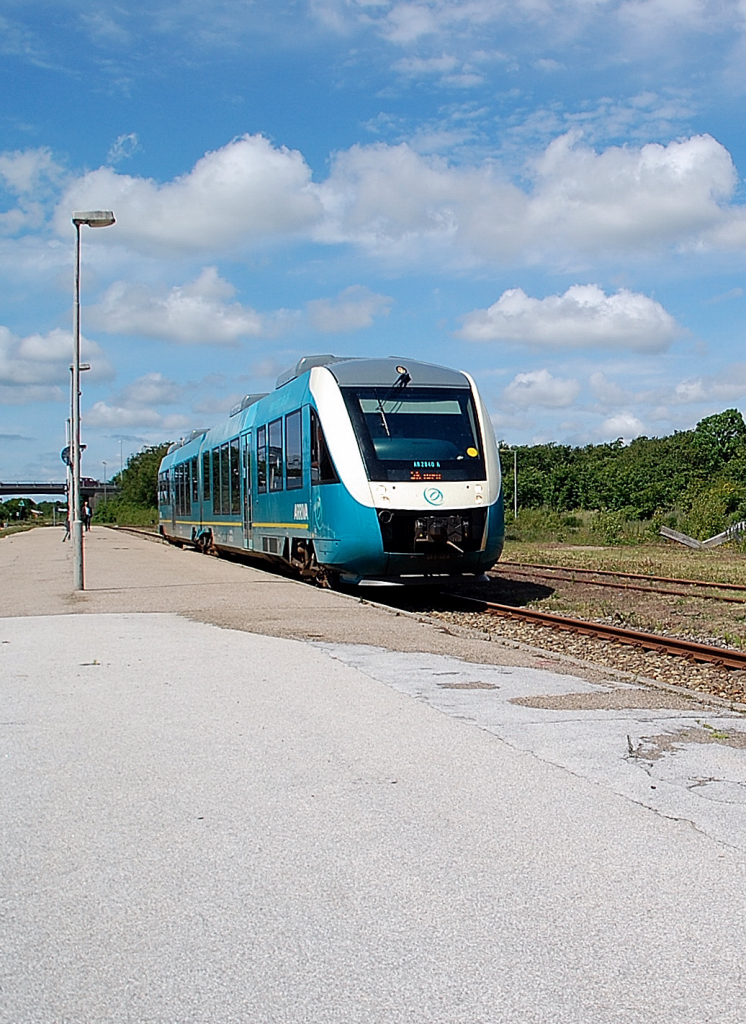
[433, 496]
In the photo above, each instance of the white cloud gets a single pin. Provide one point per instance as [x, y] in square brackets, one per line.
[416, 67]
[539, 387]
[151, 389]
[448, 69]
[31, 176]
[135, 406]
[624, 425]
[401, 204]
[194, 313]
[584, 317]
[727, 386]
[392, 200]
[632, 197]
[123, 148]
[29, 170]
[607, 392]
[247, 190]
[113, 417]
[395, 201]
[354, 308]
[36, 368]
[628, 25]
[407, 22]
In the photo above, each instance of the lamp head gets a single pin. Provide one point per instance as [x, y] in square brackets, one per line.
[94, 218]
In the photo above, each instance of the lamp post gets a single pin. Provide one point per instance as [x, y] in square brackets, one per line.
[104, 465]
[94, 219]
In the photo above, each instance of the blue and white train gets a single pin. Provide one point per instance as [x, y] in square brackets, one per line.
[356, 470]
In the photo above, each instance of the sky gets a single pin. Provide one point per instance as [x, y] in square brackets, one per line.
[545, 193]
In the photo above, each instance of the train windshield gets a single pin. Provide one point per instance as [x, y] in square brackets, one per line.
[417, 434]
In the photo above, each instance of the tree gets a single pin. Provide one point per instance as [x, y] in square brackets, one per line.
[719, 438]
[138, 481]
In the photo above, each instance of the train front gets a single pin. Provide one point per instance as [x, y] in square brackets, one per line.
[416, 455]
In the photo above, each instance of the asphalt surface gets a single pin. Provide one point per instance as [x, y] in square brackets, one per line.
[206, 823]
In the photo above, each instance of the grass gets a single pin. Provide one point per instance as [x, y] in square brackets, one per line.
[6, 531]
[656, 558]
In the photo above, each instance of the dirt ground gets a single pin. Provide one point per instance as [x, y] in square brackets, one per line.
[693, 616]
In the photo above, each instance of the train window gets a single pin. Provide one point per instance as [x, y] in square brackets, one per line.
[261, 460]
[293, 451]
[206, 475]
[417, 433]
[216, 481]
[247, 462]
[183, 495]
[195, 480]
[322, 467]
[186, 497]
[235, 477]
[274, 457]
[225, 480]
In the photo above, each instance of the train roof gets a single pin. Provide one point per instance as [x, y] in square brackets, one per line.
[350, 371]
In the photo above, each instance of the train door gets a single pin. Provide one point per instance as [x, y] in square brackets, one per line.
[246, 476]
[196, 492]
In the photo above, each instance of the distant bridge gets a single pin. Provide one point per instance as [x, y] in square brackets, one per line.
[89, 488]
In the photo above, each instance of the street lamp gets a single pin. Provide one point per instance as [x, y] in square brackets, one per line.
[104, 465]
[94, 219]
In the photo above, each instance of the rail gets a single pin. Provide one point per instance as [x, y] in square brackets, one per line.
[550, 572]
[689, 649]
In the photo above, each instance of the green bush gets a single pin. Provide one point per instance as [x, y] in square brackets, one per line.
[713, 509]
[593, 528]
[124, 513]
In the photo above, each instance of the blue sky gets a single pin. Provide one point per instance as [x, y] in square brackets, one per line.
[546, 194]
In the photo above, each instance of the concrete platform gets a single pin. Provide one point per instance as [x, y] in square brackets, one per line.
[204, 823]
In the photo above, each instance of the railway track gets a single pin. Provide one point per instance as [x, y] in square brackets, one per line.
[615, 581]
[689, 649]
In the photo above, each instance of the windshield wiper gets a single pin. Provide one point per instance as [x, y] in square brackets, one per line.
[401, 382]
[383, 416]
